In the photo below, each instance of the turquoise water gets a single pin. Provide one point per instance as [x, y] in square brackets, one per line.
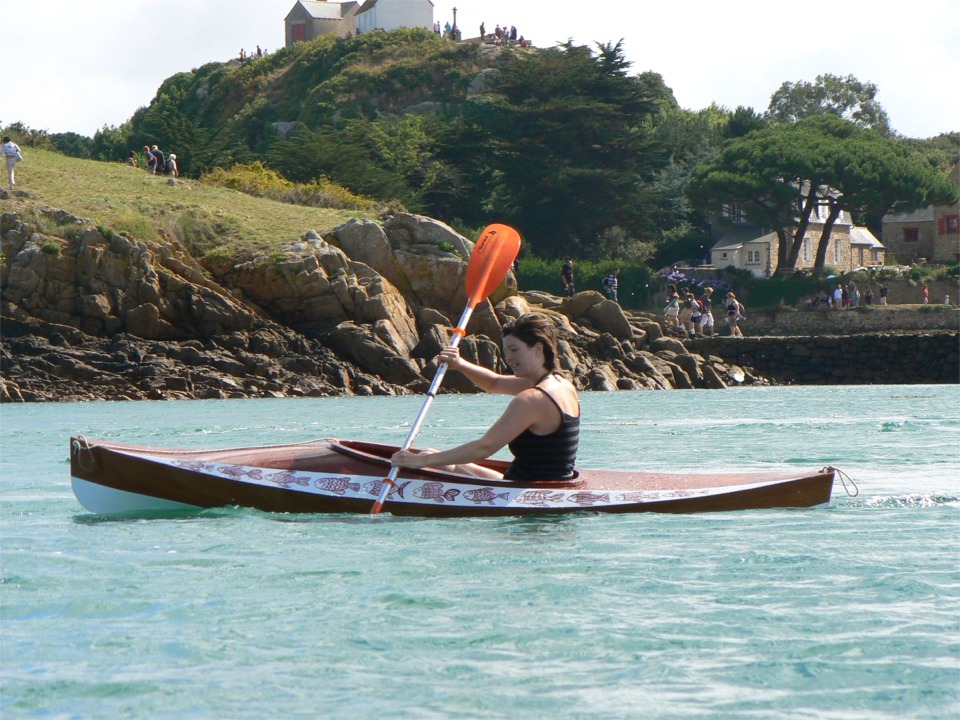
[851, 611]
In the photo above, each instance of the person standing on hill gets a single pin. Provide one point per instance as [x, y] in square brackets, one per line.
[11, 153]
[170, 168]
[925, 294]
[159, 156]
[151, 160]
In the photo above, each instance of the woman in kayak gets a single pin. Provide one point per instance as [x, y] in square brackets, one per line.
[541, 424]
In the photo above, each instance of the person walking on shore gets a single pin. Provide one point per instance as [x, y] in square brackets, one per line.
[706, 312]
[610, 284]
[733, 315]
[671, 311]
[566, 276]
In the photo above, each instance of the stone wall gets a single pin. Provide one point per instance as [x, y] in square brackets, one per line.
[866, 319]
[874, 358]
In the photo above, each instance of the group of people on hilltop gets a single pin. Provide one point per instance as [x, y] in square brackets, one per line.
[502, 36]
[258, 54]
[154, 161]
[689, 316]
[449, 32]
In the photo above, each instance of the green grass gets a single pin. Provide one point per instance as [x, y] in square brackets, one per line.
[133, 203]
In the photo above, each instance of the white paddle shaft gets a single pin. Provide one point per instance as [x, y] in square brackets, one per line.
[428, 400]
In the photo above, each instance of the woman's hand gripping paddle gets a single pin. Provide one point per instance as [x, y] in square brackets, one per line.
[492, 257]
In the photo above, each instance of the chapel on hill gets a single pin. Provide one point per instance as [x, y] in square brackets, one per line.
[309, 19]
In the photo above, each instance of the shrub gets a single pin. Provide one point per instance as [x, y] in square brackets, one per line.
[260, 181]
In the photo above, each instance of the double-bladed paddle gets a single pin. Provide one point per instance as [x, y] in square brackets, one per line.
[494, 253]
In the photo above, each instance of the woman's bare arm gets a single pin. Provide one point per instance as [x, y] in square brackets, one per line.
[486, 380]
[520, 414]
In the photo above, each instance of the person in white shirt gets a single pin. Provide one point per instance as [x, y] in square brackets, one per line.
[11, 152]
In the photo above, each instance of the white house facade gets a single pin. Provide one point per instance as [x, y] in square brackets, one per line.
[309, 19]
[394, 14]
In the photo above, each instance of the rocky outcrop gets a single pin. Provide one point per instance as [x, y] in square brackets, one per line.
[90, 314]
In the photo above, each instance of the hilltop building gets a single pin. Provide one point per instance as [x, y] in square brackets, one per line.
[309, 19]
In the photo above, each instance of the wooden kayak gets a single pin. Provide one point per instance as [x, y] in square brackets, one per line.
[344, 476]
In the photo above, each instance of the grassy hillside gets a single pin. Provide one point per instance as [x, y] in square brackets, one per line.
[138, 205]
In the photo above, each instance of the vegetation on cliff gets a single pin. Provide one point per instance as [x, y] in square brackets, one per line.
[563, 143]
[202, 216]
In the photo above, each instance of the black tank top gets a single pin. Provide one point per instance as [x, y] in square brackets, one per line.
[545, 457]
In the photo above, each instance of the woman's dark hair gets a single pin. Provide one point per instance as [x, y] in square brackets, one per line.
[533, 328]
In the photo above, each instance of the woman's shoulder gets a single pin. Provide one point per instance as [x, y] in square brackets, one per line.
[561, 393]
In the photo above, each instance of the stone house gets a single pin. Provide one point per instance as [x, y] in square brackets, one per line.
[746, 246]
[929, 234]
[309, 19]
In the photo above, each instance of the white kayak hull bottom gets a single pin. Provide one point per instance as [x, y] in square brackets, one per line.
[103, 500]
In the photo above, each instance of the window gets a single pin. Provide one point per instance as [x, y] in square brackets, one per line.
[836, 251]
[753, 257]
[807, 250]
[732, 213]
[911, 235]
[949, 224]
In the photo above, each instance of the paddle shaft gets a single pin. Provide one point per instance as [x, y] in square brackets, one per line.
[492, 257]
[390, 482]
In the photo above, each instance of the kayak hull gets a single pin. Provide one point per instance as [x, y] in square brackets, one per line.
[333, 476]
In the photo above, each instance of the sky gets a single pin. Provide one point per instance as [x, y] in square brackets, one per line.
[72, 66]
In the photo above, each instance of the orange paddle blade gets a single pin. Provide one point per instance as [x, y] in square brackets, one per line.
[492, 257]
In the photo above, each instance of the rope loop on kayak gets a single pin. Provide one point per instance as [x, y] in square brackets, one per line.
[78, 446]
[844, 479]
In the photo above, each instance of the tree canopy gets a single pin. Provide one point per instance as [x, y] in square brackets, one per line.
[561, 142]
[846, 97]
[566, 133]
[780, 175]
